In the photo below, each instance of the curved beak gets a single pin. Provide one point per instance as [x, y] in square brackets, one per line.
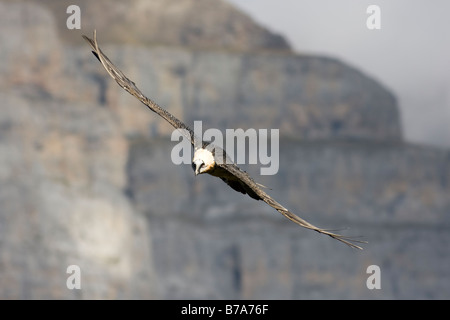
[198, 164]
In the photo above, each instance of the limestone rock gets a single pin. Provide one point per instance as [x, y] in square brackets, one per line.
[201, 24]
[62, 172]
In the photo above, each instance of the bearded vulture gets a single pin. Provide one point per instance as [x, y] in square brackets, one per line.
[205, 159]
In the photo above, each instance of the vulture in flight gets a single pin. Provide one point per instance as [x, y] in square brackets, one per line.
[206, 156]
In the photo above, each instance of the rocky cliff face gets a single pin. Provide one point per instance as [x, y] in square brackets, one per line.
[86, 178]
[306, 97]
[62, 176]
[199, 24]
[393, 194]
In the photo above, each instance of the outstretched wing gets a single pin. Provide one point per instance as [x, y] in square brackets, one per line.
[131, 88]
[241, 181]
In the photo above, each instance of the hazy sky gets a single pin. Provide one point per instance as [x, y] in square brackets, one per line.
[410, 54]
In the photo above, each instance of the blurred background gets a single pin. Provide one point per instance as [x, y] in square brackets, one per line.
[85, 171]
